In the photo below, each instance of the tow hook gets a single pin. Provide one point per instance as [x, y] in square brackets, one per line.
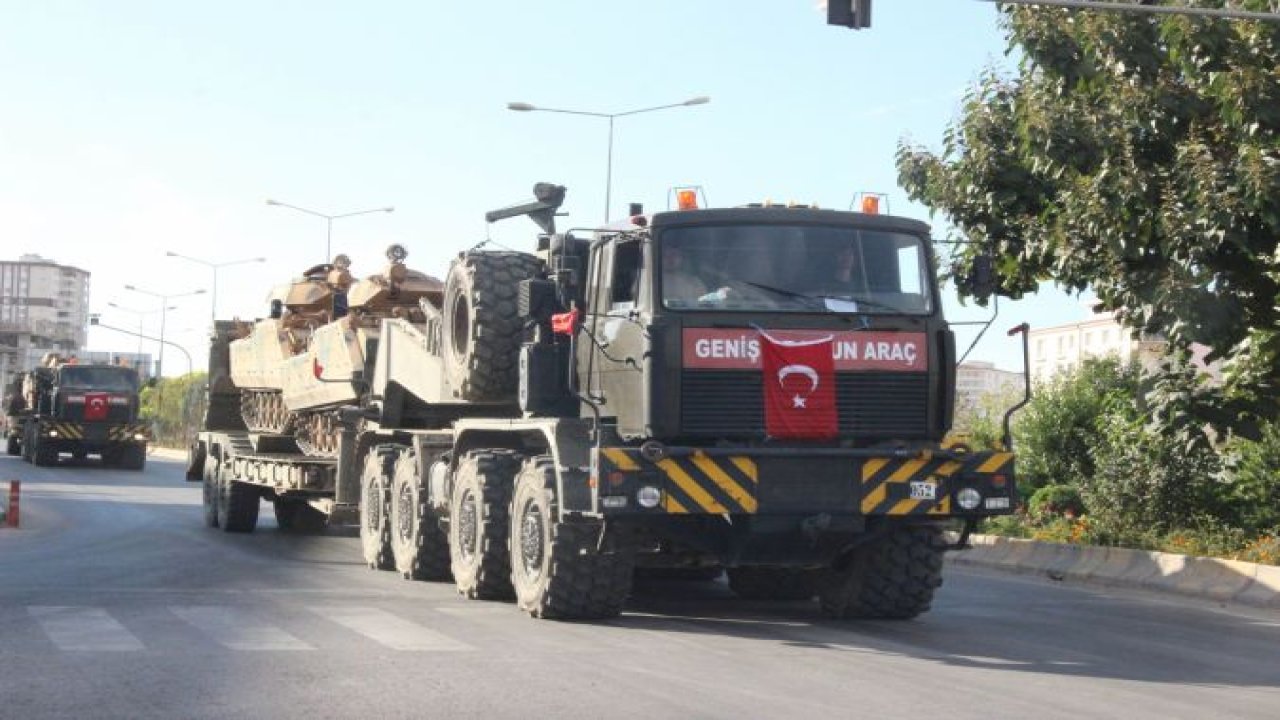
[962, 543]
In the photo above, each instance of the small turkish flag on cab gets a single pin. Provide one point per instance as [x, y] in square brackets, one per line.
[799, 388]
[95, 406]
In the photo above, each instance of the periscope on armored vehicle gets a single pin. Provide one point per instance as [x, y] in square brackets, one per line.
[758, 391]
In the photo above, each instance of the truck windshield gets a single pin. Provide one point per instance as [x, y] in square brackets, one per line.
[794, 268]
[107, 379]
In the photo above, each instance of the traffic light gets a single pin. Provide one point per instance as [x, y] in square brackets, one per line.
[855, 14]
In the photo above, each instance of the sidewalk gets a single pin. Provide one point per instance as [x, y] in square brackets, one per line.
[1209, 578]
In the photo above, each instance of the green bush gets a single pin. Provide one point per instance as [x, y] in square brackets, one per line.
[1055, 501]
[1147, 482]
[174, 407]
[1057, 432]
[1251, 483]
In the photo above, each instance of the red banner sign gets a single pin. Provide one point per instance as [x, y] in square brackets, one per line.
[720, 349]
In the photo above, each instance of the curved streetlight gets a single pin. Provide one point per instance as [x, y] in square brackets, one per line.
[328, 238]
[141, 314]
[608, 177]
[164, 312]
[213, 311]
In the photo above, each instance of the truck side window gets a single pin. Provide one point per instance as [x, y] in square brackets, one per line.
[627, 271]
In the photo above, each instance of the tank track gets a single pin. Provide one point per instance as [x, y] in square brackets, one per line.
[317, 432]
[264, 411]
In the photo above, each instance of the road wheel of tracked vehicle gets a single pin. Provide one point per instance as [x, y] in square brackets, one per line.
[375, 521]
[420, 547]
[479, 509]
[555, 566]
[294, 515]
[758, 582]
[482, 327]
[12, 446]
[237, 502]
[209, 486]
[892, 577]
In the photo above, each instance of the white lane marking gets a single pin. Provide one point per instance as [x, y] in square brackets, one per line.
[387, 629]
[84, 629]
[236, 629]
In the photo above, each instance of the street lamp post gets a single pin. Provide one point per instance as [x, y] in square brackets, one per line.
[164, 312]
[328, 238]
[213, 312]
[141, 314]
[608, 176]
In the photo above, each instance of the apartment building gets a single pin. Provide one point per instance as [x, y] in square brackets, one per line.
[44, 307]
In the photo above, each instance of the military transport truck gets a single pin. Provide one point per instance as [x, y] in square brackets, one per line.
[764, 389]
[14, 410]
[81, 410]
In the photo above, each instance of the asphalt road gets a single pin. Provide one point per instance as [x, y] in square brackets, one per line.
[115, 601]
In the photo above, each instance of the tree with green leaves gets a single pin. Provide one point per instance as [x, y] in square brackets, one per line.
[1138, 156]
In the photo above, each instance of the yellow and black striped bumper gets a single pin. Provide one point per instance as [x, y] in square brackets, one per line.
[117, 433]
[697, 482]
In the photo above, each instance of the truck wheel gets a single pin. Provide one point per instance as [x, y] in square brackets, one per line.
[375, 523]
[419, 546]
[45, 455]
[555, 567]
[482, 328]
[297, 516]
[237, 502]
[209, 486]
[133, 457]
[758, 582]
[892, 577]
[12, 446]
[478, 512]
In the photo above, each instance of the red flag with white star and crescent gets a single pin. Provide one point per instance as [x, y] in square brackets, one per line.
[799, 388]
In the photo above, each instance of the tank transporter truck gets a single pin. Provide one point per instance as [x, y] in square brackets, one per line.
[65, 407]
[761, 389]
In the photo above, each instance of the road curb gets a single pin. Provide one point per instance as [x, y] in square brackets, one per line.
[1210, 578]
[167, 453]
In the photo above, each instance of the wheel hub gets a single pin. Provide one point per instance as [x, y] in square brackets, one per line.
[531, 545]
[468, 520]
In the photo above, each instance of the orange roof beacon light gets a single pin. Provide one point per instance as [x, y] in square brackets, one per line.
[687, 197]
[869, 202]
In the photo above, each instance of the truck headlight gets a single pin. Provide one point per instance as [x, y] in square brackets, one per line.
[968, 498]
[648, 496]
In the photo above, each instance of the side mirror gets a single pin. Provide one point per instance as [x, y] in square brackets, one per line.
[982, 276]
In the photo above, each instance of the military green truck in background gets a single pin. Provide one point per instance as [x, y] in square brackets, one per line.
[64, 407]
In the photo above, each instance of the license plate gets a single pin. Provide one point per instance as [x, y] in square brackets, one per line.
[924, 491]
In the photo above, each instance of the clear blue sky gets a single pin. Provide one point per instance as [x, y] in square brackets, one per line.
[130, 128]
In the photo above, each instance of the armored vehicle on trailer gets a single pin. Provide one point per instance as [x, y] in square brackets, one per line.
[80, 410]
[763, 389]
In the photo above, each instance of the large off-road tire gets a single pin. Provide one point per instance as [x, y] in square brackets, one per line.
[481, 333]
[375, 497]
[12, 446]
[133, 457]
[759, 582]
[555, 566]
[44, 455]
[294, 515]
[209, 488]
[892, 577]
[478, 523]
[237, 502]
[418, 544]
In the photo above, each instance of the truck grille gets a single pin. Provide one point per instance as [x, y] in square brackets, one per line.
[871, 405]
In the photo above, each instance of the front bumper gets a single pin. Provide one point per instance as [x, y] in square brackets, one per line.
[787, 481]
[93, 434]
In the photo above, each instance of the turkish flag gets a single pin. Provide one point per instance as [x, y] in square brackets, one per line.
[799, 388]
[95, 406]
